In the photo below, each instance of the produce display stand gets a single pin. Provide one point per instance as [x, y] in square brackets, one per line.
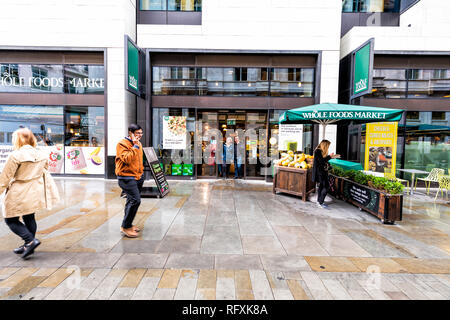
[293, 181]
[346, 165]
[386, 207]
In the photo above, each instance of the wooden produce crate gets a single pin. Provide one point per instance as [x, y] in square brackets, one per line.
[293, 181]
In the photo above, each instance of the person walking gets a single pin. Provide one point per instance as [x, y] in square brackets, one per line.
[23, 178]
[238, 156]
[320, 171]
[130, 175]
[228, 156]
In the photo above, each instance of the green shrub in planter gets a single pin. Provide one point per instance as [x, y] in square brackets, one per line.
[380, 183]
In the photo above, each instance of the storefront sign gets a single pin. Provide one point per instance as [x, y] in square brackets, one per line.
[362, 65]
[84, 160]
[21, 78]
[290, 137]
[158, 174]
[174, 132]
[132, 66]
[381, 146]
[366, 197]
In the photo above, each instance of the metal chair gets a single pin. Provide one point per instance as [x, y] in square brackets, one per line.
[433, 176]
[444, 183]
[388, 174]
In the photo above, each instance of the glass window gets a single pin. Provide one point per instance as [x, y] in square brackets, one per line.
[184, 5]
[153, 4]
[292, 82]
[174, 81]
[438, 115]
[370, 5]
[174, 161]
[84, 126]
[388, 83]
[47, 124]
[84, 79]
[427, 143]
[78, 79]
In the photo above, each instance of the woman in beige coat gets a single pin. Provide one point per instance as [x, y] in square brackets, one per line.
[23, 179]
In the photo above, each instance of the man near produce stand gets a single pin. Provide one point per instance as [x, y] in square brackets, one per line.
[129, 172]
[320, 171]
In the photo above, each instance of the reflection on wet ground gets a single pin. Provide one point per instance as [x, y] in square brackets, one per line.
[228, 239]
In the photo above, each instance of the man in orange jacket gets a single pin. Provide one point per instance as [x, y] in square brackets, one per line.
[129, 172]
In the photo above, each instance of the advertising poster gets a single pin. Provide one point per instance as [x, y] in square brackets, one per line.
[174, 132]
[55, 158]
[381, 146]
[84, 160]
[290, 137]
[5, 150]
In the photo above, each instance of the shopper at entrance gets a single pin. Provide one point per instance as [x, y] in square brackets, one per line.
[320, 170]
[238, 156]
[24, 182]
[228, 156]
[129, 172]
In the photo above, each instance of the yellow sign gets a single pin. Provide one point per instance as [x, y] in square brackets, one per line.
[381, 146]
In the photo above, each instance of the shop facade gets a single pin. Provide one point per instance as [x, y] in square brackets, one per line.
[61, 96]
[227, 95]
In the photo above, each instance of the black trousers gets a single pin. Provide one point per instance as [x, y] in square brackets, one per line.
[26, 230]
[323, 188]
[132, 189]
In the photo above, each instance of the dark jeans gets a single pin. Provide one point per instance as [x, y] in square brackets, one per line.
[26, 231]
[132, 189]
[323, 188]
[237, 169]
[225, 170]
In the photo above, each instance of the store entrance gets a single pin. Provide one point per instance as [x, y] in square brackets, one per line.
[223, 124]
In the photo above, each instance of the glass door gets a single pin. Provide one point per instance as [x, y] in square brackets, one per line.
[255, 144]
[210, 135]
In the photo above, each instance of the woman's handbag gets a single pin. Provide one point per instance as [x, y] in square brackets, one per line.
[327, 167]
[51, 190]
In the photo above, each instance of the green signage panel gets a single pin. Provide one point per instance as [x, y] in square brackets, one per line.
[177, 170]
[188, 169]
[133, 67]
[362, 69]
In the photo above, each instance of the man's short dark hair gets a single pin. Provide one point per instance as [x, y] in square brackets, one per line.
[133, 127]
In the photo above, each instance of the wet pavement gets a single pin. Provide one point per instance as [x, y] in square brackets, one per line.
[228, 239]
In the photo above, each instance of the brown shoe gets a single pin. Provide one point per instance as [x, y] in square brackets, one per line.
[130, 233]
[136, 229]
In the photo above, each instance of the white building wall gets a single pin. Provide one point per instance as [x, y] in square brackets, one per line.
[424, 27]
[260, 25]
[78, 24]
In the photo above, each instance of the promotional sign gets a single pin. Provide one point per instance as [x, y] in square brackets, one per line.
[55, 158]
[290, 137]
[4, 154]
[366, 197]
[174, 132]
[158, 174]
[381, 146]
[84, 160]
[362, 66]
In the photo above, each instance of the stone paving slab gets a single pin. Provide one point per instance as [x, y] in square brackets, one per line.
[228, 239]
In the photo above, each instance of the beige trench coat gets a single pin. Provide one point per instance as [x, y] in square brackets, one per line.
[23, 177]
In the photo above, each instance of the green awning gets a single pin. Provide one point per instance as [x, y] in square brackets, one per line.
[327, 113]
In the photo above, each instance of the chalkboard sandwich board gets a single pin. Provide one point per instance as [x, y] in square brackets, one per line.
[162, 187]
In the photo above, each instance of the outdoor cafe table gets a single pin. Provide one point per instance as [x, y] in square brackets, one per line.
[346, 165]
[413, 172]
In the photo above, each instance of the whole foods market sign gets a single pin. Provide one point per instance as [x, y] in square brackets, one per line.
[132, 66]
[362, 65]
[345, 115]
